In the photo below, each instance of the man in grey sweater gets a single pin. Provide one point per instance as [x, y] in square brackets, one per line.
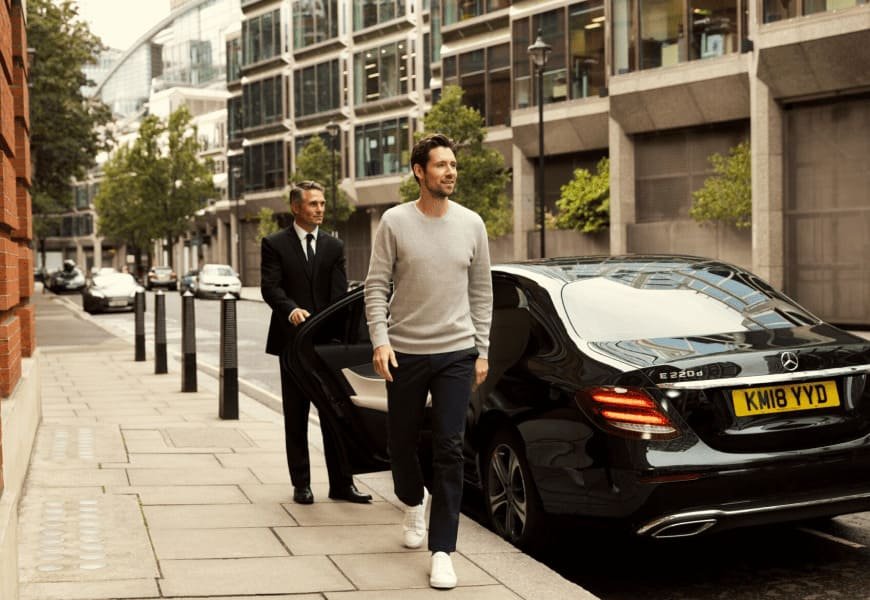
[431, 336]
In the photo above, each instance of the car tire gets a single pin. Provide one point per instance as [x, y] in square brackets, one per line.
[510, 496]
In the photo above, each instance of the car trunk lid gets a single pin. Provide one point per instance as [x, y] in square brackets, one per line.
[760, 391]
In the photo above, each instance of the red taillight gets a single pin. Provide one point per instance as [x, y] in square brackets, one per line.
[630, 410]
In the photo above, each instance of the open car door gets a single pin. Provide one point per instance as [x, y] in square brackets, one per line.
[331, 361]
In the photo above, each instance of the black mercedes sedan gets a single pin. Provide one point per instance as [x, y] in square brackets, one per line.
[669, 395]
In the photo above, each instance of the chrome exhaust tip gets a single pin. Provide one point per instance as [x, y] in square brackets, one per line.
[683, 529]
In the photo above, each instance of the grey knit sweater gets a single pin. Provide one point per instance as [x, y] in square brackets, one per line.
[442, 287]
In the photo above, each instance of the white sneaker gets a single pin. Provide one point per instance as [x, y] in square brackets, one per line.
[414, 526]
[441, 575]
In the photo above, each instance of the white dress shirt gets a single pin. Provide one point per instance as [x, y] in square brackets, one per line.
[302, 233]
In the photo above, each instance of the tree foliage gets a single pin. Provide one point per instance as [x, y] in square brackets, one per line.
[267, 225]
[483, 177]
[314, 163]
[159, 179]
[727, 195]
[584, 203]
[64, 136]
[122, 214]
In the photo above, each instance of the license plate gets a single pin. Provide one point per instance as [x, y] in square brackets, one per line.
[784, 398]
[117, 303]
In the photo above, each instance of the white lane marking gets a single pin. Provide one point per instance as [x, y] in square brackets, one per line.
[832, 538]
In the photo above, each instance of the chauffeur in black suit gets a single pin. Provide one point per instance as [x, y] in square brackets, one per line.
[302, 272]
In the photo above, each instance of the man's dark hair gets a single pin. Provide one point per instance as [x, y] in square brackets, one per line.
[303, 186]
[420, 153]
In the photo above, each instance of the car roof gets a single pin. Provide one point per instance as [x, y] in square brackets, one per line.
[569, 269]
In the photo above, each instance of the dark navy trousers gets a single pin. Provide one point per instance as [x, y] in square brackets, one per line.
[448, 377]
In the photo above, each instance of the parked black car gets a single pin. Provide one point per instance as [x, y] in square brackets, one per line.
[669, 395]
[68, 278]
[110, 292]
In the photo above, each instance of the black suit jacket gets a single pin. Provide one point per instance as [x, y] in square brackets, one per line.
[286, 284]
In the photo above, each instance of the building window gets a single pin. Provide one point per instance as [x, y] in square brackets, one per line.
[586, 35]
[777, 10]
[317, 88]
[381, 73]
[669, 32]
[662, 33]
[234, 118]
[498, 85]
[484, 76]
[314, 21]
[460, 10]
[382, 148]
[435, 27]
[427, 62]
[235, 172]
[261, 37]
[713, 28]
[264, 167]
[552, 25]
[262, 102]
[368, 13]
[81, 197]
[234, 59]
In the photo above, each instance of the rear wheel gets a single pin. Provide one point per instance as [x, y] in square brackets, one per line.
[512, 502]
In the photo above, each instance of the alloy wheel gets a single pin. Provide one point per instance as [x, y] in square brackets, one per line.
[507, 494]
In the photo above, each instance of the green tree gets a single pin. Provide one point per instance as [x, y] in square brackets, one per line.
[482, 178]
[161, 177]
[121, 212]
[65, 132]
[314, 162]
[267, 224]
[727, 195]
[584, 203]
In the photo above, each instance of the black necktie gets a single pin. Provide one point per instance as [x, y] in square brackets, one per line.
[309, 248]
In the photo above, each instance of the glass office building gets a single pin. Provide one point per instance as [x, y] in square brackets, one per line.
[187, 48]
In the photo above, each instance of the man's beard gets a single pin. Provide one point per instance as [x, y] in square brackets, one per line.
[438, 191]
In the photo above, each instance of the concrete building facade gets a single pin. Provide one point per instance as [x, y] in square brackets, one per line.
[657, 86]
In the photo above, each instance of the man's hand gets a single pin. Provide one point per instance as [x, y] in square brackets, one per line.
[382, 358]
[298, 316]
[481, 368]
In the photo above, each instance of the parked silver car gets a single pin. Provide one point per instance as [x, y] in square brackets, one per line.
[215, 281]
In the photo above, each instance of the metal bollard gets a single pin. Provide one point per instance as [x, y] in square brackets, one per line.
[139, 309]
[160, 333]
[188, 343]
[229, 368]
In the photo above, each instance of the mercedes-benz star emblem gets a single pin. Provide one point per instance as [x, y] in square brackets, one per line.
[789, 361]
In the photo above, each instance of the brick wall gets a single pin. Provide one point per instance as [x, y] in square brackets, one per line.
[17, 329]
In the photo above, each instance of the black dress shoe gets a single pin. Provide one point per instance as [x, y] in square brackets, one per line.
[303, 495]
[350, 494]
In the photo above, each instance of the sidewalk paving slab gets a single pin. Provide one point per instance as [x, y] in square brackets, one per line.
[138, 491]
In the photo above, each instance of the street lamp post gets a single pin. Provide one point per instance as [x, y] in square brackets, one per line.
[237, 176]
[332, 128]
[540, 53]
